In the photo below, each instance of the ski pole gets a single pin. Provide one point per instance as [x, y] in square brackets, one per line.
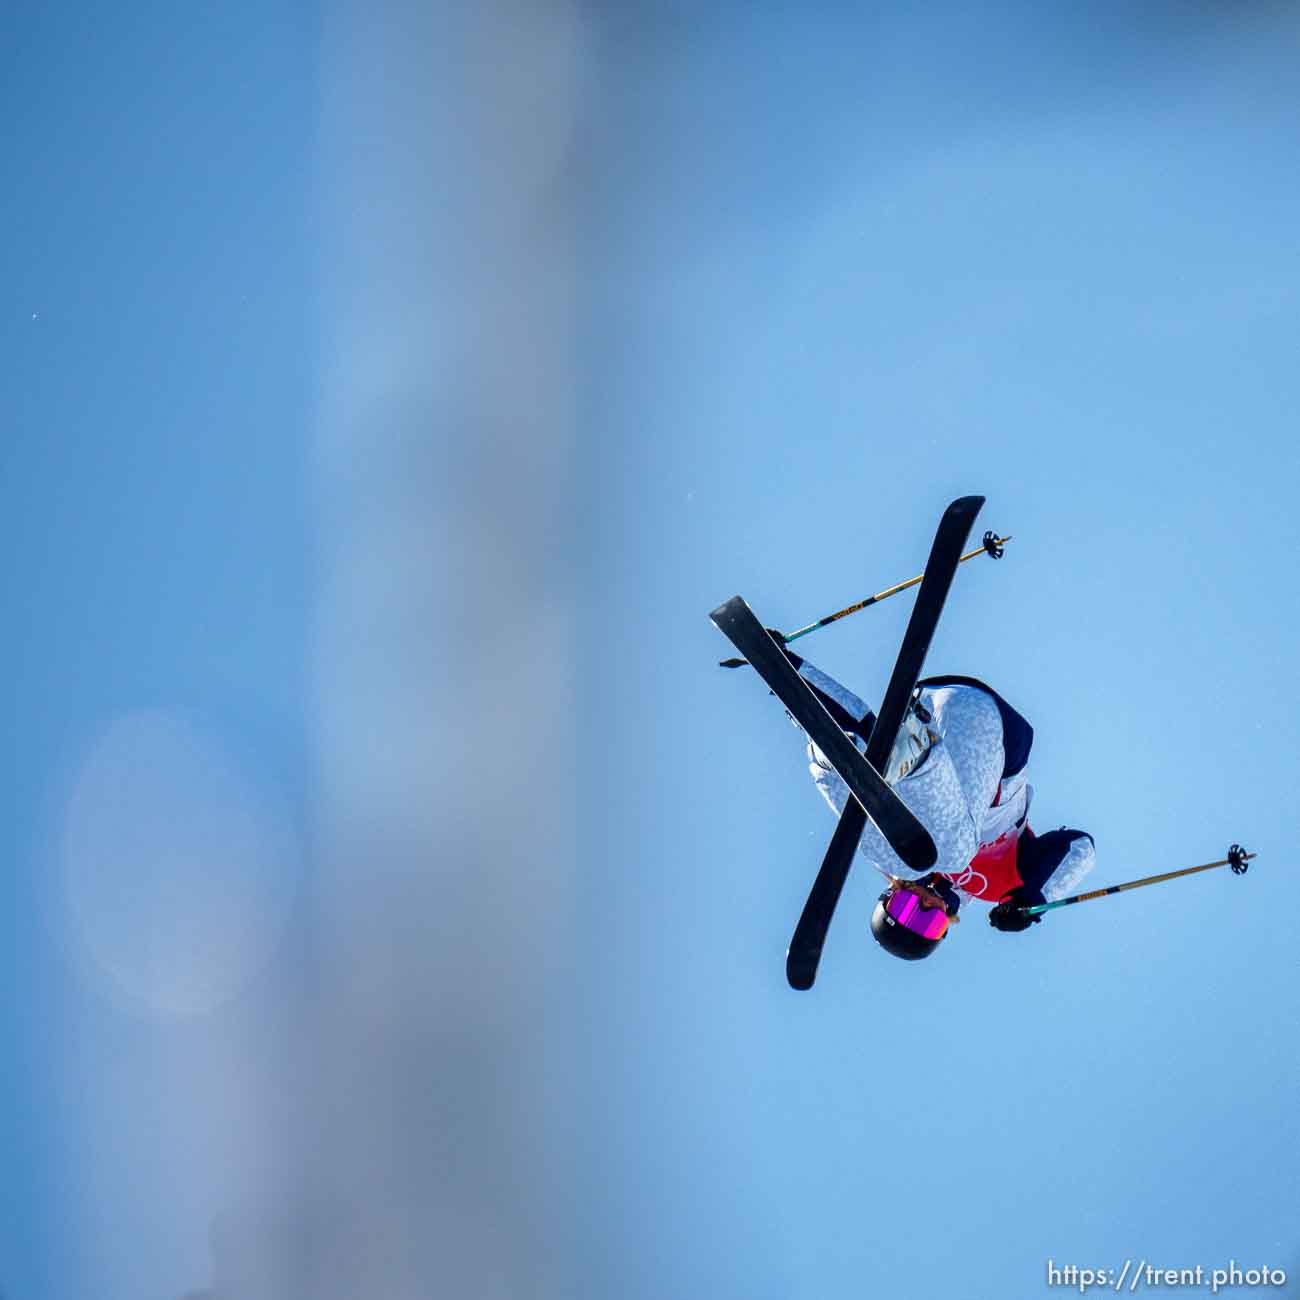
[1237, 859]
[991, 545]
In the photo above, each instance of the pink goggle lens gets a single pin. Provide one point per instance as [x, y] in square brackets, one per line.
[906, 909]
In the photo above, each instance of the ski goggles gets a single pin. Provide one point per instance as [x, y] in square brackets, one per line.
[906, 908]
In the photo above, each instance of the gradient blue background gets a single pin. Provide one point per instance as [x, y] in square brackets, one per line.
[385, 386]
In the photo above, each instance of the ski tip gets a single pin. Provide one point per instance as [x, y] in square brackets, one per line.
[726, 610]
[922, 855]
[971, 505]
[801, 970]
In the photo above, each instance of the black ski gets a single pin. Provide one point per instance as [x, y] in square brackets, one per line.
[945, 555]
[897, 823]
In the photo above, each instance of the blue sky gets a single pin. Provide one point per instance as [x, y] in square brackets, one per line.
[158, 345]
[387, 387]
[1049, 261]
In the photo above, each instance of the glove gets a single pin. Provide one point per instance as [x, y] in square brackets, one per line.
[1007, 915]
[796, 661]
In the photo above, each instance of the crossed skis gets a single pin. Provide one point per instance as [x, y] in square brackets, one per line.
[862, 775]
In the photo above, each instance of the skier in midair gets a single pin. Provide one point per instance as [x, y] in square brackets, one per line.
[960, 764]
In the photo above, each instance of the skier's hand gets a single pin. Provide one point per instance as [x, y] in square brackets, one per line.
[1009, 916]
[795, 660]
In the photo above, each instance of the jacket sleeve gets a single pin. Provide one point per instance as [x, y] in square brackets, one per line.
[1053, 864]
[847, 709]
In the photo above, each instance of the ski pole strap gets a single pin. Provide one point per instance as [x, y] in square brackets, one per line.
[1238, 859]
